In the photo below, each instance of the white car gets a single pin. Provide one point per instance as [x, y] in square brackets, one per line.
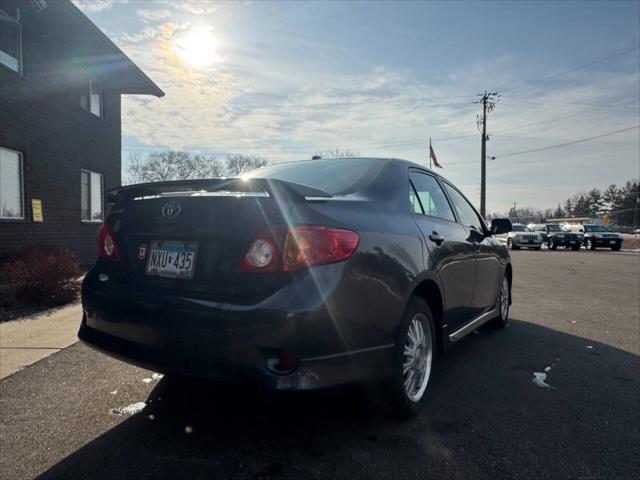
[521, 236]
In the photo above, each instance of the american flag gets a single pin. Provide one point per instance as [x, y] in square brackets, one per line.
[432, 157]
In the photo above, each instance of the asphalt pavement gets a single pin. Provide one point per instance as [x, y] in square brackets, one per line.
[575, 325]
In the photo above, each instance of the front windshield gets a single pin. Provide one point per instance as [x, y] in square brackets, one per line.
[554, 228]
[595, 228]
[520, 228]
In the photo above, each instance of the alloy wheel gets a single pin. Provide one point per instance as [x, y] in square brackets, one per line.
[418, 355]
[504, 299]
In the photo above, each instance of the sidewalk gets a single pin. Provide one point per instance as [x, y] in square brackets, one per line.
[25, 341]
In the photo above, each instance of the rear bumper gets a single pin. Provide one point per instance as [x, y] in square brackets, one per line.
[233, 342]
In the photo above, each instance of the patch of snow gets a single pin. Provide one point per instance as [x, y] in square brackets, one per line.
[146, 380]
[573, 321]
[539, 379]
[157, 376]
[114, 392]
[188, 429]
[547, 369]
[151, 417]
[129, 409]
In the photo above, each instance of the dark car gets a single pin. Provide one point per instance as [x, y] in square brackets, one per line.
[298, 276]
[599, 236]
[555, 236]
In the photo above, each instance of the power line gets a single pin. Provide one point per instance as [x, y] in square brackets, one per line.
[564, 72]
[573, 142]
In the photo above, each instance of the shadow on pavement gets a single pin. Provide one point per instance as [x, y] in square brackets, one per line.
[485, 418]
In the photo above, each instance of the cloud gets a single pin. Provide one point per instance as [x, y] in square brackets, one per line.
[97, 5]
[196, 8]
[153, 15]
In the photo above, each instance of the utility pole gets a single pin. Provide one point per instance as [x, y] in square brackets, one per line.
[488, 101]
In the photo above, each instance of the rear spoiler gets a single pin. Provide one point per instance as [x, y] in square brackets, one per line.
[271, 186]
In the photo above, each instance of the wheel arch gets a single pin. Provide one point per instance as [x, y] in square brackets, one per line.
[429, 291]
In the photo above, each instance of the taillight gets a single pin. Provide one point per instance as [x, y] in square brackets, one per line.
[107, 247]
[304, 246]
[262, 256]
[314, 245]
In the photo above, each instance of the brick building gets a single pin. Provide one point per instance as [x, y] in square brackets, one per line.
[61, 80]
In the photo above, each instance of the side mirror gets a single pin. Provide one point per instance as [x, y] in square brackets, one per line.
[500, 225]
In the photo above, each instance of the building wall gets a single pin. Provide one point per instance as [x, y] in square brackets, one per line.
[40, 116]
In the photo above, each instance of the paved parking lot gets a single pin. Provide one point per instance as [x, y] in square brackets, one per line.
[575, 318]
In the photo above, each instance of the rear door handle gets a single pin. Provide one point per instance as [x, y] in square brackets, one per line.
[436, 238]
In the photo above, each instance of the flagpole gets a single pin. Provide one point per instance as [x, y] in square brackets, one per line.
[429, 153]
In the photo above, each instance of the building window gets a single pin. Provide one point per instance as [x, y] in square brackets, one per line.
[91, 101]
[11, 185]
[10, 42]
[91, 196]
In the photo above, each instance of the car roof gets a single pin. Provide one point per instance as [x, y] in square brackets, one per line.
[399, 162]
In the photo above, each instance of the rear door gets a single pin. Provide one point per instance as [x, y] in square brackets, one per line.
[487, 259]
[451, 253]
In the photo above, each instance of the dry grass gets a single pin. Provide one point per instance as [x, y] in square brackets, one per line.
[631, 243]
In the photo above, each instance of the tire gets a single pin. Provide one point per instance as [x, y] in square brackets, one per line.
[588, 245]
[551, 244]
[406, 397]
[504, 299]
[537, 248]
[575, 248]
[511, 246]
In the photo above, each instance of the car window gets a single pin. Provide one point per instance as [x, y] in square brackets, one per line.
[466, 212]
[413, 200]
[432, 199]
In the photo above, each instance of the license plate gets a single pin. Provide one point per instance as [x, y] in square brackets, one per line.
[172, 259]
[612, 241]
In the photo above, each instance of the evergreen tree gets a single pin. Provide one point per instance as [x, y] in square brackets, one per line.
[558, 213]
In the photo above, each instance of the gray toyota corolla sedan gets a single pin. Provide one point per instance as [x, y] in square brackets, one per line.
[297, 276]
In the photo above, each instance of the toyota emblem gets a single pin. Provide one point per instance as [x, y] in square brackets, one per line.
[171, 210]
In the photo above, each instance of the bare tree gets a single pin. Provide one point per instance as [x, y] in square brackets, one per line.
[336, 153]
[170, 165]
[133, 169]
[238, 164]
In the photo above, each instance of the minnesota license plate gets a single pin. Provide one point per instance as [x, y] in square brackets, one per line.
[172, 259]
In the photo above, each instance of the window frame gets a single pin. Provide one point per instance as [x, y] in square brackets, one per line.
[22, 195]
[89, 92]
[435, 177]
[89, 172]
[5, 17]
[483, 223]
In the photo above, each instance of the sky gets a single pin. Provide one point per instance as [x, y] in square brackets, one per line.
[284, 80]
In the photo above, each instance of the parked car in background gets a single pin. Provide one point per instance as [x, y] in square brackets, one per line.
[521, 236]
[599, 236]
[554, 236]
[298, 276]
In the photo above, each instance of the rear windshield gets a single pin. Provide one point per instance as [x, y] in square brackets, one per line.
[334, 176]
[554, 228]
[519, 228]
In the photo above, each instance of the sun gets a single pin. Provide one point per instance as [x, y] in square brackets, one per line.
[198, 47]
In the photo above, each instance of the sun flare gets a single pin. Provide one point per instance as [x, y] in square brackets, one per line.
[198, 47]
